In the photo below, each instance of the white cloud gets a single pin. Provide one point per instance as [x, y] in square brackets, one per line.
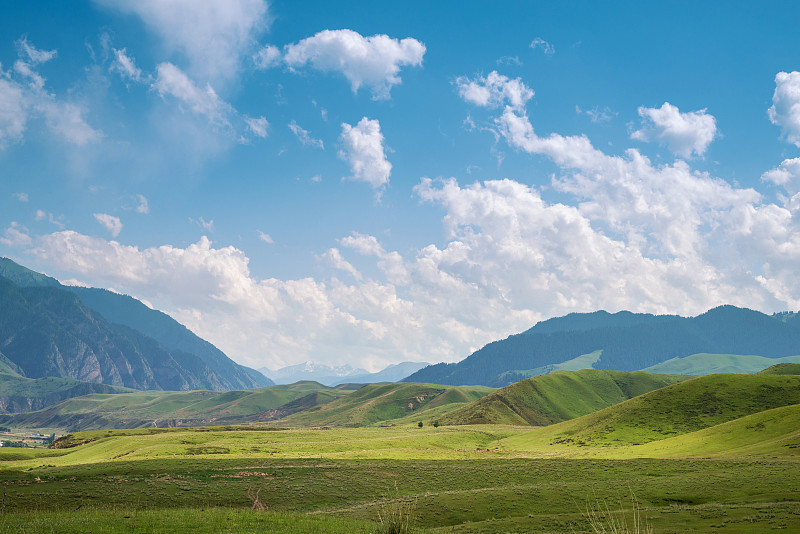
[372, 61]
[144, 205]
[545, 47]
[212, 35]
[683, 133]
[172, 81]
[258, 126]
[267, 57]
[494, 91]
[204, 224]
[266, 238]
[787, 175]
[785, 110]
[304, 137]
[125, 66]
[596, 114]
[22, 197]
[16, 235]
[23, 96]
[335, 259]
[13, 115]
[362, 148]
[34, 55]
[42, 215]
[509, 60]
[112, 223]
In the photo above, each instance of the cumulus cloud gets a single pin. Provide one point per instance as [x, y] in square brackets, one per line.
[787, 175]
[335, 259]
[494, 91]
[16, 235]
[785, 110]
[212, 35]
[683, 133]
[362, 148]
[267, 57]
[372, 61]
[112, 223]
[22, 197]
[543, 45]
[23, 96]
[625, 233]
[305, 137]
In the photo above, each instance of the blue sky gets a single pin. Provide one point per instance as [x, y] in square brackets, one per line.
[369, 183]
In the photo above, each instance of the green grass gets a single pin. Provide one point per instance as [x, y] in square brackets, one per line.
[388, 404]
[675, 410]
[171, 408]
[197, 520]
[460, 479]
[706, 364]
[782, 369]
[548, 399]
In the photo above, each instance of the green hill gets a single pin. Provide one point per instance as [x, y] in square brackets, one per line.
[707, 364]
[552, 398]
[176, 408]
[782, 369]
[382, 403]
[675, 410]
[20, 394]
[772, 432]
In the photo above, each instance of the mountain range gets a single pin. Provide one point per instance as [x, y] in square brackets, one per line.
[625, 341]
[97, 336]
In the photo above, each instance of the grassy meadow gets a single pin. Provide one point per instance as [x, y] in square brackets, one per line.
[450, 479]
[717, 453]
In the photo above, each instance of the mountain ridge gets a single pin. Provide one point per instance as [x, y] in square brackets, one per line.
[98, 328]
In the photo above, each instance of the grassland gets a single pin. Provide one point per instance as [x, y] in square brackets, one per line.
[176, 408]
[552, 398]
[460, 479]
[717, 453]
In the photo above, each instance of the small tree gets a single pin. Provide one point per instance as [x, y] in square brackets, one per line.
[436, 424]
[419, 424]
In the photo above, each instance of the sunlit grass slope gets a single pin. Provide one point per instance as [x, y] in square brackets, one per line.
[548, 399]
[773, 432]
[172, 408]
[679, 409]
[706, 364]
[388, 403]
[782, 369]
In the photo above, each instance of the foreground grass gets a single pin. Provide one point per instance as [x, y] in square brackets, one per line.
[199, 521]
[460, 479]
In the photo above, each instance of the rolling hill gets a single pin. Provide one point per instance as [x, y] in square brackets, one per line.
[552, 398]
[176, 408]
[675, 410]
[20, 394]
[627, 342]
[387, 403]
